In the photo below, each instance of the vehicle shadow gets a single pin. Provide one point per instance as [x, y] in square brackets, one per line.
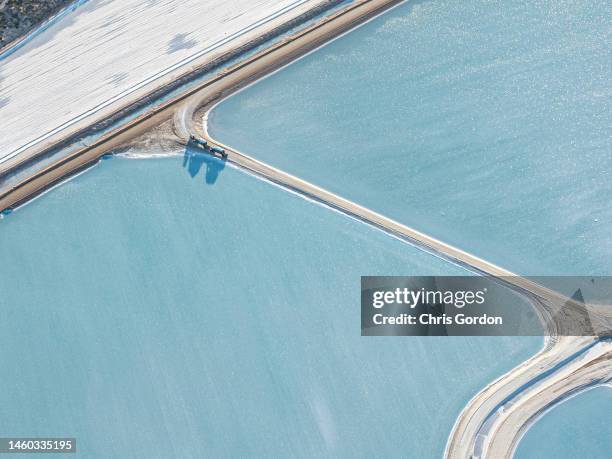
[193, 160]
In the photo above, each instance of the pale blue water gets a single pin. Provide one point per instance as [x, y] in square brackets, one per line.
[579, 427]
[150, 314]
[483, 123]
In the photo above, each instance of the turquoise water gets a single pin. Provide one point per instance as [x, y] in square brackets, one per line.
[157, 309]
[579, 427]
[484, 124]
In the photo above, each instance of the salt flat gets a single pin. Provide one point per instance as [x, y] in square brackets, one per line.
[107, 51]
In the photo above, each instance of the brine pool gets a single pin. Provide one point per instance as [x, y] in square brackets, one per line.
[485, 124]
[579, 427]
[152, 308]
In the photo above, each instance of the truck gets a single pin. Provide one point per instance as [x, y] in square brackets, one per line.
[198, 141]
[219, 150]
